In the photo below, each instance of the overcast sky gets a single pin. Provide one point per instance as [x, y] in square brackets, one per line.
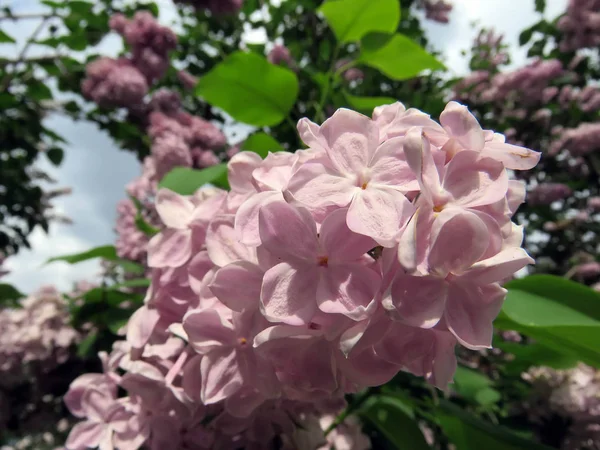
[98, 171]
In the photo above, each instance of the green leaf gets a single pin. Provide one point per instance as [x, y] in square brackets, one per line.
[55, 155]
[9, 295]
[526, 356]
[526, 35]
[397, 57]
[558, 313]
[250, 89]
[366, 105]
[261, 144]
[84, 350]
[393, 419]
[52, 4]
[116, 319]
[475, 386]
[5, 38]
[540, 6]
[138, 282]
[130, 266]
[350, 20]
[186, 181]
[140, 223]
[106, 252]
[37, 90]
[468, 432]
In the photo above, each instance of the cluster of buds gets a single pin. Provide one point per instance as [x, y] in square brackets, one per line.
[580, 25]
[377, 249]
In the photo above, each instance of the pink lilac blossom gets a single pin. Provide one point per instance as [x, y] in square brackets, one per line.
[436, 10]
[188, 80]
[580, 26]
[37, 334]
[379, 248]
[573, 394]
[546, 193]
[114, 82]
[280, 54]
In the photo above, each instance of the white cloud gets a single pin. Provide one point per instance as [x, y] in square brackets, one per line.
[27, 269]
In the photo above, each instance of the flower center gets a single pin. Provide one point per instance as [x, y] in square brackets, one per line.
[323, 261]
[243, 341]
[438, 209]
[364, 185]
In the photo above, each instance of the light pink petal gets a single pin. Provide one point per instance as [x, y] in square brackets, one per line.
[278, 332]
[197, 268]
[174, 210]
[238, 285]
[409, 347]
[379, 214]
[364, 334]
[244, 402]
[208, 330]
[473, 180]
[339, 243]
[351, 140]
[288, 293]
[348, 289]
[239, 171]
[85, 435]
[512, 156]
[499, 267]
[366, 369]
[191, 381]
[315, 186]
[420, 159]
[470, 311]
[97, 404]
[310, 134]
[389, 167]
[495, 241]
[516, 194]
[170, 248]
[288, 232]
[246, 218]
[141, 325]
[419, 301]
[223, 244]
[221, 376]
[275, 172]
[444, 364]
[461, 125]
[459, 238]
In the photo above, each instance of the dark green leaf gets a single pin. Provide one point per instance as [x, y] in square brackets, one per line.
[558, 313]
[80, 7]
[5, 38]
[392, 418]
[526, 356]
[261, 143]
[350, 20]
[52, 4]
[38, 91]
[250, 89]
[540, 6]
[106, 252]
[140, 223]
[468, 432]
[525, 36]
[399, 58]
[366, 105]
[55, 155]
[87, 344]
[130, 266]
[186, 181]
[474, 386]
[115, 319]
[140, 282]
[9, 295]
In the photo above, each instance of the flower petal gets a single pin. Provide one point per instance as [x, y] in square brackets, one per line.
[379, 214]
[419, 301]
[351, 140]
[470, 311]
[461, 125]
[288, 293]
[238, 285]
[208, 330]
[174, 210]
[223, 244]
[348, 289]
[339, 243]
[389, 167]
[315, 186]
[221, 375]
[170, 248]
[246, 217]
[288, 232]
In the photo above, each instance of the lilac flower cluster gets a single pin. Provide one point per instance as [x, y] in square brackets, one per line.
[436, 10]
[573, 394]
[124, 82]
[322, 272]
[580, 25]
[36, 334]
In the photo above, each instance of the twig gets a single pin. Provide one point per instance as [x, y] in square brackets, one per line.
[8, 77]
[357, 403]
[16, 17]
